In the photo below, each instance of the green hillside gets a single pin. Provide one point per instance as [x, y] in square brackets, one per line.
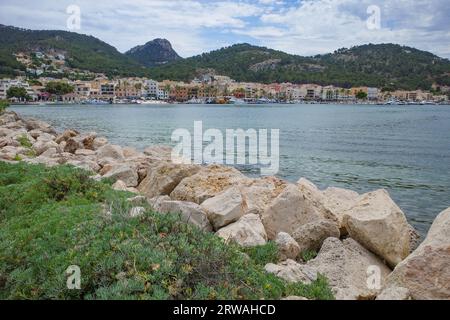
[83, 52]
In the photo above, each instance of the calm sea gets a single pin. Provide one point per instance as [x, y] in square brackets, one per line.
[404, 149]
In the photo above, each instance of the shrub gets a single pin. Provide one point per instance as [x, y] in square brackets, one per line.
[24, 142]
[52, 218]
[3, 105]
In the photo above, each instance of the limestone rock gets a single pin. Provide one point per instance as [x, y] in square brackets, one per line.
[426, 272]
[163, 179]
[32, 124]
[225, 208]
[337, 201]
[99, 142]
[288, 248]
[84, 152]
[207, 183]
[72, 145]
[377, 223]
[311, 235]
[66, 135]
[348, 266]
[248, 231]
[110, 151]
[125, 173]
[41, 146]
[288, 212]
[189, 212]
[292, 271]
[395, 294]
[258, 194]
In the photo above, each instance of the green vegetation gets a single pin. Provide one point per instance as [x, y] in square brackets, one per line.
[308, 255]
[24, 142]
[385, 65]
[361, 95]
[3, 105]
[83, 52]
[59, 88]
[52, 218]
[263, 255]
[18, 93]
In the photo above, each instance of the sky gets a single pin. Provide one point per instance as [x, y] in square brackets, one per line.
[304, 27]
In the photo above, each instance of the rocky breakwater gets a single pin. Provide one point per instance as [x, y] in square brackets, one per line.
[363, 244]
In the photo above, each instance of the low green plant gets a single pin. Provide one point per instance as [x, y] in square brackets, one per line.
[264, 254]
[52, 218]
[308, 255]
[24, 141]
[17, 158]
[3, 105]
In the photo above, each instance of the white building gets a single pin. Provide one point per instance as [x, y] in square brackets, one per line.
[372, 93]
[6, 84]
[151, 88]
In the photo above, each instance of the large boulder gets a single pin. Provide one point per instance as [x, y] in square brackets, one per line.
[72, 145]
[189, 212]
[159, 153]
[311, 235]
[110, 151]
[225, 208]
[33, 124]
[379, 224]
[99, 142]
[125, 173]
[248, 231]
[288, 248]
[207, 183]
[66, 135]
[352, 271]
[292, 272]
[162, 179]
[288, 212]
[258, 194]
[41, 146]
[337, 201]
[394, 294]
[426, 272]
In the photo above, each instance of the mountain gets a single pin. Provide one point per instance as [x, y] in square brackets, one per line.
[384, 65]
[154, 53]
[387, 66]
[81, 51]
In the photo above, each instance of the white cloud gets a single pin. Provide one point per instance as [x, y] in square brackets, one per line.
[193, 26]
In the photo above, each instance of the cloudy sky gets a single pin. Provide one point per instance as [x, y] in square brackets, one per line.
[304, 27]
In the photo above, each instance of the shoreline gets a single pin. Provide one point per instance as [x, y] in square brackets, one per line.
[297, 216]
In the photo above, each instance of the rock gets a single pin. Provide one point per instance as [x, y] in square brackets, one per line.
[84, 164]
[258, 194]
[288, 212]
[311, 235]
[85, 152]
[395, 294]
[426, 272]
[122, 186]
[159, 153]
[295, 298]
[224, 208]
[377, 223]
[248, 231]
[72, 145]
[288, 248]
[129, 152]
[106, 168]
[292, 272]
[156, 202]
[41, 146]
[44, 137]
[66, 135]
[348, 266]
[337, 201]
[189, 212]
[315, 198]
[5, 132]
[207, 183]
[163, 179]
[110, 151]
[99, 142]
[8, 117]
[124, 173]
[87, 140]
[49, 153]
[136, 212]
[32, 124]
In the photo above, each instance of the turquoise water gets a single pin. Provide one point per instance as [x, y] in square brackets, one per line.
[405, 149]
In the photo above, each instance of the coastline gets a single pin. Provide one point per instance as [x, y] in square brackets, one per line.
[298, 216]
